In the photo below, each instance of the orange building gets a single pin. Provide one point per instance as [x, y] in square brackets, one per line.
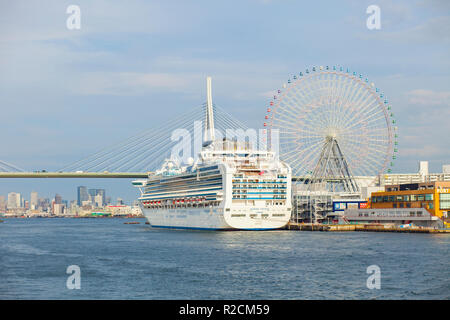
[432, 196]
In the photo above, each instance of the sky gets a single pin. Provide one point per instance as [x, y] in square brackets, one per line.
[65, 94]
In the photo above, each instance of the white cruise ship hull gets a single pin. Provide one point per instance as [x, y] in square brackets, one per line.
[211, 219]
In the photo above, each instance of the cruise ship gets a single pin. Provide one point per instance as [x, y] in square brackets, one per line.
[231, 186]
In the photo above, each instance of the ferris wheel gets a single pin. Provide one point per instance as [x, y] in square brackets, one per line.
[327, 105]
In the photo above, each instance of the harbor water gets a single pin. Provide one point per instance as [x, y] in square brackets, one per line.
[135, 261]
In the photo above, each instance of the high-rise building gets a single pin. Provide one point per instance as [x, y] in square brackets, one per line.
[44, 204]
[446, 168]
[82, 195]
[98, 200]
[58, 208]
[58, 199]
[93, 193]
[14, 200]
[2, 203]
[423, 168]
[34, 200]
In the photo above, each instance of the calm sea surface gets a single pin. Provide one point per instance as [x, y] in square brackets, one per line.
[122, 261]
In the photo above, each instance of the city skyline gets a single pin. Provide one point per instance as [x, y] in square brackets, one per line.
[96, 197]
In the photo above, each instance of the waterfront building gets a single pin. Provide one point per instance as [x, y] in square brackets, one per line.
[432, 196]
[425, 204]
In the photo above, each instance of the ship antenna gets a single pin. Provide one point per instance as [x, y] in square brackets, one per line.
[209, 124]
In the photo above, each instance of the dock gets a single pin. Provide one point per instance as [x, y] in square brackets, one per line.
[360, 227]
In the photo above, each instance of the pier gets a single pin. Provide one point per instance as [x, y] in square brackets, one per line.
[360, 227]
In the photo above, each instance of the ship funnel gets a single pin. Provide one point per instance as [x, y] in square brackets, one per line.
[209, 121]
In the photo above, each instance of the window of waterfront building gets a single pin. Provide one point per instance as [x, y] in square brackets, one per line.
[385, 198]
[444, 201]
[391, 198]
[405, 198]
[430, 205]
[394, 205]
[420, 197]
[413, 197]
[408, 205]
[401, 205]
[429, 197]
[398, 198]
[379, 199]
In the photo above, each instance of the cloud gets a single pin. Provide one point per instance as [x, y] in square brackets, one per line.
[425, 97]
[131, 83]
[422, 152]
[434, 30]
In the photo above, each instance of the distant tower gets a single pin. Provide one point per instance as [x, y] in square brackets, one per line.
[446, 168]
[14, 200]
[34, 200]
[423, 170]
[58, 199]
[82, 195]
[209, 117]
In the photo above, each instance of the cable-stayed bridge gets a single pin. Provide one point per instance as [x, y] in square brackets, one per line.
[141, 154]
[7, 167]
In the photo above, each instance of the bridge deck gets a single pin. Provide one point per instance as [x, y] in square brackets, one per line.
[127, 175]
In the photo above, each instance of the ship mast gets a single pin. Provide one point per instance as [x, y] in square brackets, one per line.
[209, 123]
